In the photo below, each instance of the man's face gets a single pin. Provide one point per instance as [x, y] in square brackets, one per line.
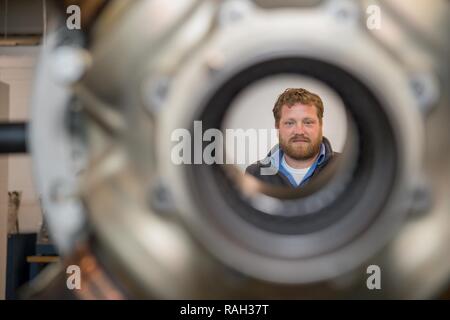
[300, 131]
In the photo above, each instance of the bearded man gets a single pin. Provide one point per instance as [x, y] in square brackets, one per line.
[302, 152]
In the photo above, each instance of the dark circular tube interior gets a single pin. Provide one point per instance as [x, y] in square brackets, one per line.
[375, 164]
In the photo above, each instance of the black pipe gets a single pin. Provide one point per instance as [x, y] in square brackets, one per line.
[13, 138]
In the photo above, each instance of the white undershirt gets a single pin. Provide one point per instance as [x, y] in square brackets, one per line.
[297, 174]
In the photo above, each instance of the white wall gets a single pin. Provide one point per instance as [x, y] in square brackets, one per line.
[17, 71]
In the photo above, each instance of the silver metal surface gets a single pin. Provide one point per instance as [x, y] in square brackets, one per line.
[150, 73]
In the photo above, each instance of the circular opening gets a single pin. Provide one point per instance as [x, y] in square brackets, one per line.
[367, 164]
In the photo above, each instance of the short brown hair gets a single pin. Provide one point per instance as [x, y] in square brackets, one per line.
[293, 96]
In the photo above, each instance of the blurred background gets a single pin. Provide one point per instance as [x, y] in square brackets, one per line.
[411, 30]
[21, 35]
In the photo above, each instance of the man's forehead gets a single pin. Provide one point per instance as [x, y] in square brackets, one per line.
[298, 108]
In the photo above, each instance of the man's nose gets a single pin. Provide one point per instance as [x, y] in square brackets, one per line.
[299, 129]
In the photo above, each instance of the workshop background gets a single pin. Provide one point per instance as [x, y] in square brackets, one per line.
[21, 28]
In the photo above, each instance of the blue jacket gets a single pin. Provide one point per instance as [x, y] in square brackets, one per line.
[271, 171]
